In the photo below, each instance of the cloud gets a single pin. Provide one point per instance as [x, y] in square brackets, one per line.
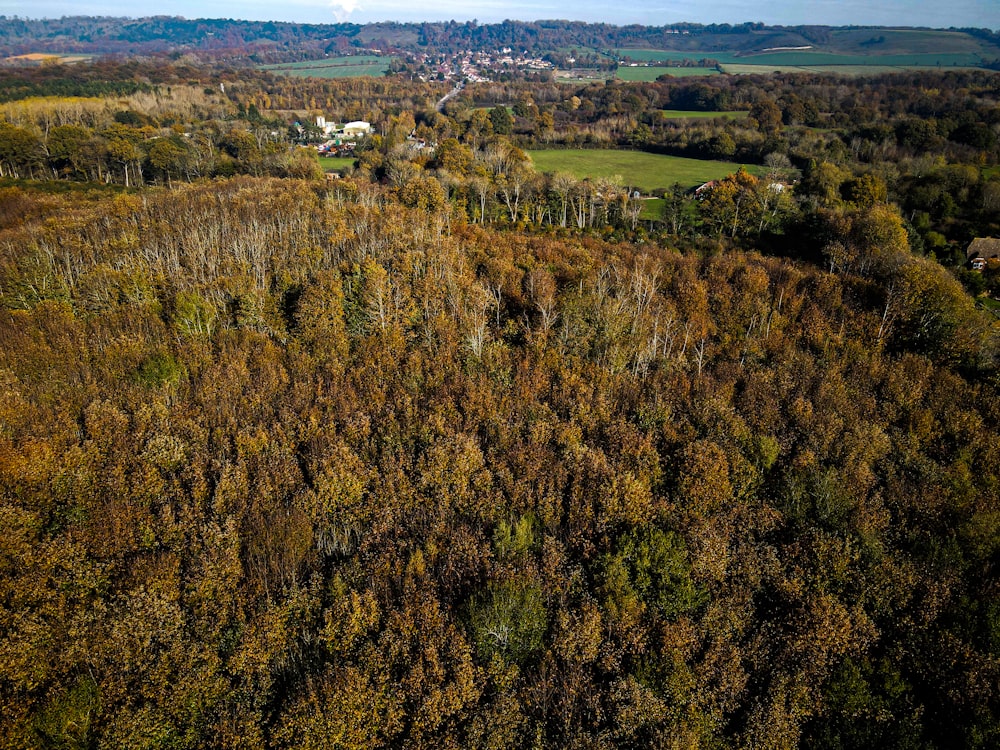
[343, 8]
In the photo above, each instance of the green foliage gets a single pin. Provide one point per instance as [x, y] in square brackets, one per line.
[765, 451]
[158, 369]
[508, 620]
[866, 190]
[515, 540]
[867, 708]
[651, 566]
[65, 721]
[501, 120]
[194, 315]
[936, 316]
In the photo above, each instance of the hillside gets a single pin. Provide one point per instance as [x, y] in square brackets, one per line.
[20, 36]
[281, 464]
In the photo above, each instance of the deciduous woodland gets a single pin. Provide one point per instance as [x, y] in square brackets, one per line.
[365, 463]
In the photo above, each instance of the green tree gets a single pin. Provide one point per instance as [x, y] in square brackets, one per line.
[765, 115]
[167, 159]
[501, 120]
[508, 620]
[68, 150]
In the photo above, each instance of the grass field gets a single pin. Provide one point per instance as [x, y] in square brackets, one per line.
[652, 209]
[845, 70]
[909, 41]
[335, 164]
[683, 114]
[646, 74]
[813, 59]
[637, 169]
[333, 67]
[900, 50]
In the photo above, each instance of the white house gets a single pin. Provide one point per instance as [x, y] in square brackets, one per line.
[357, 129]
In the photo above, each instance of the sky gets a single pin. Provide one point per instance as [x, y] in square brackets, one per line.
[933, 13]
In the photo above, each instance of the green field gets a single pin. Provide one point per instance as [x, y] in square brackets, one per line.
[845, 70]
[900, 50]
[813, 59]
[637, 169]
[647, 74]
[335, 164]
[684, 114]
[909, 41]
[333, 67]
[652, 209]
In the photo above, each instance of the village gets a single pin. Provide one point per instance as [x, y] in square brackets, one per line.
[476, 67]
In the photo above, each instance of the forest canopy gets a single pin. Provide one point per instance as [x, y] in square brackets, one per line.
[444, 452]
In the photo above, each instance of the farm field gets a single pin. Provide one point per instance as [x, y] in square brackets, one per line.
[846, 70]
[874, 61]
[647, 74]
[811, 59]
[42, 57]
[637, 169]
[909, 41]
[333, 67]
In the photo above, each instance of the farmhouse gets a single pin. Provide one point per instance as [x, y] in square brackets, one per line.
[703, 190]
[356, 129]
[981, 250]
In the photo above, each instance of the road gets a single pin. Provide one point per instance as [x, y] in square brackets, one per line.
[454, 92]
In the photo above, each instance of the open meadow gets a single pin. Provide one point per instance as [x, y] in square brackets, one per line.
[844, 70]
[855, 52]
[333, 67]
[637, 169]
[335, 164]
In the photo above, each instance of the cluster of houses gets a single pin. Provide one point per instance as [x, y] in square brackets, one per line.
[341, 138]
[476, 66]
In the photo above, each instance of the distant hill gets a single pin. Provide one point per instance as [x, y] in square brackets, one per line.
[280, 41]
